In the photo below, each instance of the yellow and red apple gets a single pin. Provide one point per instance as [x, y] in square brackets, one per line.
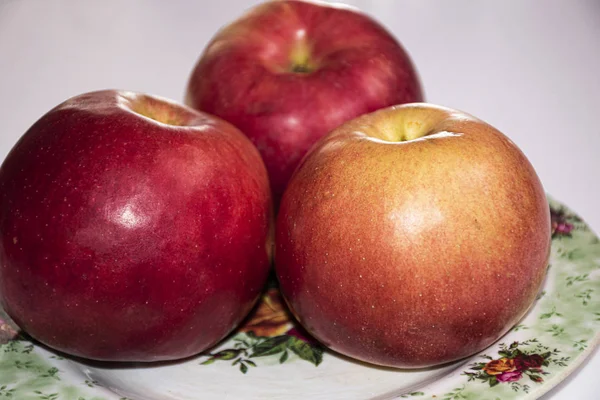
[412, 236]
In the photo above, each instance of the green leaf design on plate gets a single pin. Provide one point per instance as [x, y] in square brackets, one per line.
[412, 394]
[51, 373]
[228, 354]
[283, 357]
[6, 391]
[455, 394]
[551, 314]
[585, 296]
[576, 279]
[556, 330]
[243, 368]
[209, 361]
[520, 327]
[270, 346]
[43, 396]
[580, 344]
[305, 351]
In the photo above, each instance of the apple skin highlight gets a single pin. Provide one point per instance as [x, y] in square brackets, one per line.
[412, 252]
[125, 238]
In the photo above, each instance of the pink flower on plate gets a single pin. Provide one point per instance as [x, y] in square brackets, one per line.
[560, 226]
[511, 376]
[563, 228]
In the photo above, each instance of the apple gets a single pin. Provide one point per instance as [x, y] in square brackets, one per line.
[412, 236]
[132, 228]
[288, 72]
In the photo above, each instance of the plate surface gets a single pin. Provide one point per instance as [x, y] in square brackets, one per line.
[270, 357]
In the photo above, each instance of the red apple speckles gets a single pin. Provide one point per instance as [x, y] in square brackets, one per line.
[132, 228]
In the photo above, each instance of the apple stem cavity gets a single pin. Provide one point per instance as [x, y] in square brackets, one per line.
[420, 123]
[300, 56]
[301, 69]
[159, 110]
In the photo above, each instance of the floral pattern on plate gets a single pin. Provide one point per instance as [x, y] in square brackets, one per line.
[276, 357]
[269, 331]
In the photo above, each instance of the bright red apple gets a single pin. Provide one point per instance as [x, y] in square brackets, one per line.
[288, 72]
[132, 228]
[412, 236]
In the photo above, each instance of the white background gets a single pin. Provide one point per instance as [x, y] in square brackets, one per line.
[530, 68]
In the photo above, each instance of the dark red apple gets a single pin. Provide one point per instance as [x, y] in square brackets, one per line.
[412, 236]
[132, 228]
[288, 72]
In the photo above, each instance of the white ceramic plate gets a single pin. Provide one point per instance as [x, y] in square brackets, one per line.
[269, 358]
